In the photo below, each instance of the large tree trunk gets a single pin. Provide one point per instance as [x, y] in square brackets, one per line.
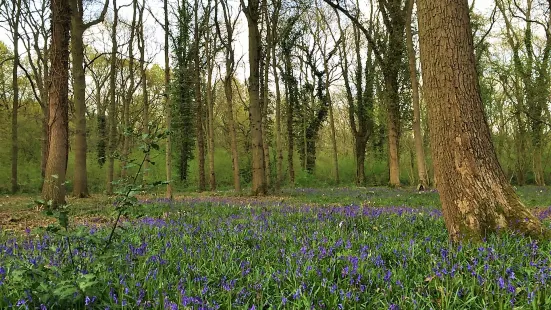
[15, 108]
[252, 12]
[476, 197]
[417, 136]
[112, 103]
[168, 110]
[53, 189]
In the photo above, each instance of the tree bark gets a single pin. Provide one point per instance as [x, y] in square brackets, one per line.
[15, 107]
[476, 197]
[145, 92]
[112, 103]
[168, 110]
[210, 110]
[228, 86]
[252, 12]
[78, 27]
[129, 95]
[53, 189]
[199, 104]
[279, 144]
[417, 136]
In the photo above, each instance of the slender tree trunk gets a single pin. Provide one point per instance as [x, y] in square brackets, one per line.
[168, 110]
[393, 126]
[15, 108]
[279, 146]
[231, 123]
[210, 113]
[476, 196]
[419, 150]
[80, 179]
[129, 95]
[332, 125]
[199, 104]
[44, 142]
[252, 12]
[265, 97]
[80, 175]
[145, 93]
[112, 103]
[53, 189]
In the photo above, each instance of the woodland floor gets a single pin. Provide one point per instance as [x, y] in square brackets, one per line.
[19, 213]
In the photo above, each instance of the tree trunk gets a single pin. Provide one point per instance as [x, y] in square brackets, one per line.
[53, 189]
[252, 12]
[168, 110]
[265, 97]
[210, 112]
[112, 103]
[199, 103]
[145, 94]
[476, 197]
[333, 138]
[80, 175]
[417, 136]
[393, 126]
[80, 178]
[15, 108]
[279, 146]
[231, 123]
[129, 96]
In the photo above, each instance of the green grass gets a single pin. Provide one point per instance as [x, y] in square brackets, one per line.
[330, 248]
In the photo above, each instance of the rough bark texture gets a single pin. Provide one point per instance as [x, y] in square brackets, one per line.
[58, 125]
[252, 12]
[417, 136]
[476, 197]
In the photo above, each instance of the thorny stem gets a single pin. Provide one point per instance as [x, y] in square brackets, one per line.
[126, 196]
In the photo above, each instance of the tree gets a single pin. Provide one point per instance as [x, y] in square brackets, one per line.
[227, 43]
[56, 166]
[252, 12]
[78, 27]
[182, 91]
[14, 25]
[419, 150]
[168, 113]
[112, 102]
[197, 34]
[476, 198]
[388, 54]
[35, 39]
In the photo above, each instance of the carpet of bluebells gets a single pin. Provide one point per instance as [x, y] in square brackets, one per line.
[213, 254]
